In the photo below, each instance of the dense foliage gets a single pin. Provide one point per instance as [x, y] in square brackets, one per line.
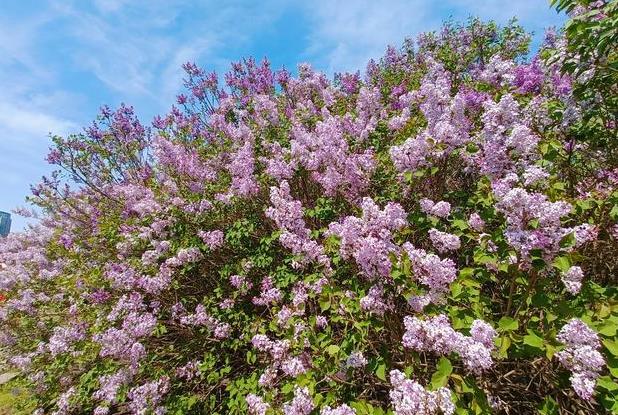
[436, 236]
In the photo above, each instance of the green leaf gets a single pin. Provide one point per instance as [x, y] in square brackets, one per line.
[533, 340]
[332, 350]
[505, 344]
[607, 383]
[381, 371]
[549, 407]
[508, 324]
[562, 263]
[611, 346]
[444, 370]
[608, 328]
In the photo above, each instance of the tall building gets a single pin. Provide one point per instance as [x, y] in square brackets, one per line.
[5, 223]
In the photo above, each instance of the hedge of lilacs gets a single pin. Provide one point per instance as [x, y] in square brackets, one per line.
[432, 237]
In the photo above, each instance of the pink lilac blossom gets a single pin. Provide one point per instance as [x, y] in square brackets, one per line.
[301, 404]
[440, 209]
[475, 222]
[213, 239]
[410, 398]
[581, 356]
[189, 370]
[148, 396]
[444, 241]
[369, 239]
[240, 282]
[498, 71]
[585, 233]
[521, 207]
[227, 304]
[293, 366]
[534, 175]
[63, 337]
[202, 318]
[287, 213]
[64, 402]
[241, 168]
[269, 377]
[435, 334]
[340, 410]
[374, 302]
[356, 360]
[435, 273]
[269, 294]
[279, 165]
[256, 405]
[529, 77]
[101, 410]
[184, 161]
[110, 384]
[447, 123]
[325, 153]
[572, 279]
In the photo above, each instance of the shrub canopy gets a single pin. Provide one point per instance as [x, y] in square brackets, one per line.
[437, 235]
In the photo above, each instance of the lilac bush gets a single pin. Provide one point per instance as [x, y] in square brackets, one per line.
[436, 235]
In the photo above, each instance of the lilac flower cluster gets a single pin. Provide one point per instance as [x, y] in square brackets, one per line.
[256, 405]
[447, 122]
[369, 239]
[269, 294]
[202, 318]
[581, 356]
[435, 273]
[375, 301]
[572, 279]
[440, 209]
[356, 360]
[436, 335]
[444, 241]
[520, 208]
[147, 396]
[410, 398]
[288, 215]
[291, 366]
[213, 239]
[340, 410]
[302, 404]
[64, 337]
[326, 153]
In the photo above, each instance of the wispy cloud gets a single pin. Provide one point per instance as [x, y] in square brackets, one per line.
[345, 35]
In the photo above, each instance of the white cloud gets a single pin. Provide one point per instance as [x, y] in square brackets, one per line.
[351, 33]
[110, 5]
[345, 35]
[27, 122]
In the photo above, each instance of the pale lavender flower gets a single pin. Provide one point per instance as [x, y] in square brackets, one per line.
[581, 356]
[340, 410]
[356, 360]
[256, 405]
[444, 241]
[410, 398]
[572, 279]
[475, 222]
[301, 404]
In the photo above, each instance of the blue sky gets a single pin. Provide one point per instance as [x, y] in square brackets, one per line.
[61, 60]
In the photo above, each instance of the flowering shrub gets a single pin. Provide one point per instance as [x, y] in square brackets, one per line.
[434, 237]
